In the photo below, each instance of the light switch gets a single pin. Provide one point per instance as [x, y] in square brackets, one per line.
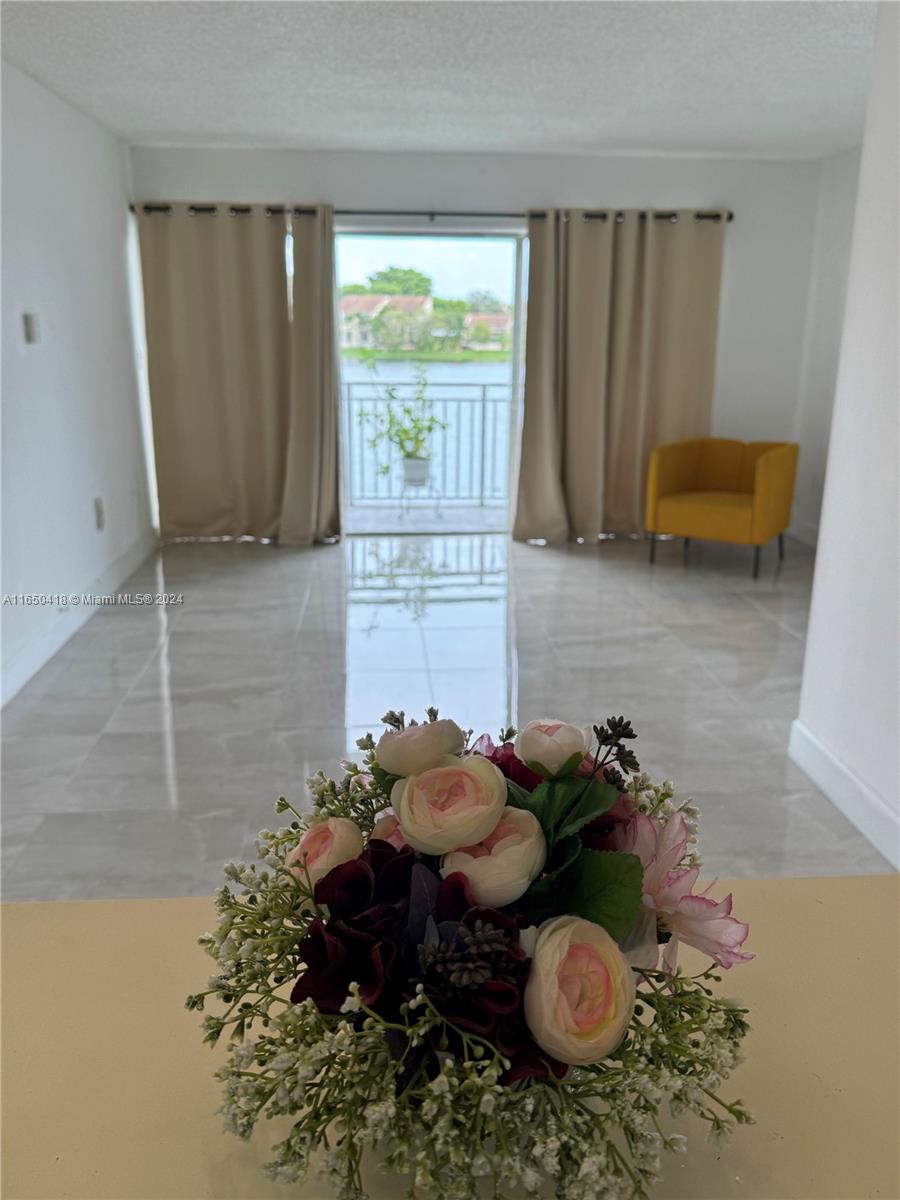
[30, 328]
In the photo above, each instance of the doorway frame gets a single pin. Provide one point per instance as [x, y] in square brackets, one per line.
[436, 225]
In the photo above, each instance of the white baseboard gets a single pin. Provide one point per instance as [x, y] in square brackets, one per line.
[27, 661]
[871, 815]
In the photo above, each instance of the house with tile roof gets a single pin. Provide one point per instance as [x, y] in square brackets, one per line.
[358, 313]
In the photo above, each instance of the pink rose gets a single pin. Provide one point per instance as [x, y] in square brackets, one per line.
[325, 845]
[455, 803]
[580, 992]
[551, 747]
[501, 867]
[414, 749]
[387, 829]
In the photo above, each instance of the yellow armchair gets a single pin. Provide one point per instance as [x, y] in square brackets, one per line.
[724, 490]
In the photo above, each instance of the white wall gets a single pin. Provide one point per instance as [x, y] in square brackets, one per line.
[825, 321]
[769, 246]
[71, 427]
[846, 736]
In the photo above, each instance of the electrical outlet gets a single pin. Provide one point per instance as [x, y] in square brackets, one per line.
[99, 513]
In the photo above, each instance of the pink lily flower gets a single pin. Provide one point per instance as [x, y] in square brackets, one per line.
[670, 901]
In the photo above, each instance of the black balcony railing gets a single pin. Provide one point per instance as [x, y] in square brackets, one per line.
[469, 456]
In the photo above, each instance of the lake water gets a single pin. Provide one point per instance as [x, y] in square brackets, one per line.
[355, 371]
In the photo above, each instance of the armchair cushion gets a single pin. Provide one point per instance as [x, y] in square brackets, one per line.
[722, 516]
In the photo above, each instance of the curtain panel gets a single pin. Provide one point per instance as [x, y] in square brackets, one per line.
[310, 509]
[619, 357]
[232, 395]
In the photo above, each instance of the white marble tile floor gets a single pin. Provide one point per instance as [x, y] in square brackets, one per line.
[152, 747]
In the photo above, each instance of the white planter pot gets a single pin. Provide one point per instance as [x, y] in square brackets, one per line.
[416, 471]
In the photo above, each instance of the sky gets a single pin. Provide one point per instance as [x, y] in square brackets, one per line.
[457, 265]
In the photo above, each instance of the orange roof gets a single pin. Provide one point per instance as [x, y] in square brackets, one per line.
[409, 304]
[366, 305]
[494, 320]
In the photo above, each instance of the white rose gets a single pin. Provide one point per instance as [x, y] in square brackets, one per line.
[412, 751]
[324, 846]
[501, 867]
[455, 803]
[552, 747]
[579, 997]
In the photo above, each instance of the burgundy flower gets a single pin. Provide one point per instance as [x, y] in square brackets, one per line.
[454, 898]
[363, 940]
[475, 978]
[336, 956]
[600, 834]
[380, 874]
[504, 757]
[346, 889]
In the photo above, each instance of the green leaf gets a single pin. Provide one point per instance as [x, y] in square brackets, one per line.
[537, 768]
[571, 765]
[382, 778]
[517, 795]
[596, 798]
[540, 901]
[604, 887]
[563, 806]
[539, 802]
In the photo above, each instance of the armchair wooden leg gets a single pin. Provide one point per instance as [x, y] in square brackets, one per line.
[756, 550]
[781, 547]
[653, 547]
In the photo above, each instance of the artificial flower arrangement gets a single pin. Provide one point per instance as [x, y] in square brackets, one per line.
[454, 963]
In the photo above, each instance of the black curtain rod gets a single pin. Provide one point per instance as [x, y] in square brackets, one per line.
[537, 215]
[239, 210]
[431, 214]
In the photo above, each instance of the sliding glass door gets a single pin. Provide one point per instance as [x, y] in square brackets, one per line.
[430, 337]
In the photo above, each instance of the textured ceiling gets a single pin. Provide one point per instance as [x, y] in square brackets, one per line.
[771, 78]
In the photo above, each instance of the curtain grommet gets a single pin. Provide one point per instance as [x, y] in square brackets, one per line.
[620, 217]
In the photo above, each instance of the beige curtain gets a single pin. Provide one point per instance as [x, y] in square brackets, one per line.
[216, 312]
[240, 411]
[311, 500]
[620, 356]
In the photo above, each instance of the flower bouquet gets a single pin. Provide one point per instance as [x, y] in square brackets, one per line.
[465, 962]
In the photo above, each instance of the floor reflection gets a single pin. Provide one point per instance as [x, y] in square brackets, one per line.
[428, 624]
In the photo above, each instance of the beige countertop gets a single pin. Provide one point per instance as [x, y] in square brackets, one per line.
[108, 1092]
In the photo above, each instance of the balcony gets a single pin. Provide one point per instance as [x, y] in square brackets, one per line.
[468, 486]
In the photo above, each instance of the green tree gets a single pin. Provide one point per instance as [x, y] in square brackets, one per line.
[389, 329]
[448, 323]
[450, 306]
[399, 281]
[481, 332]
[354, 289]
[484, 301]
[447, 327]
